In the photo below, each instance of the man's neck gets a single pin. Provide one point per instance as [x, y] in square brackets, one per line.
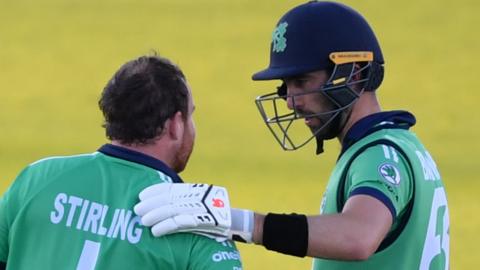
[147, 149]
[366, 104]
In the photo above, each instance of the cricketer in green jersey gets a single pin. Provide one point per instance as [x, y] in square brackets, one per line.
[76, 212]
[385, 205]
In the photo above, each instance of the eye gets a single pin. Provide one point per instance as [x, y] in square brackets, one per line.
[299, 82]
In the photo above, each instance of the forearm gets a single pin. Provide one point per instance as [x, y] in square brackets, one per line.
[331, 237]
[340, 237]
[258, 228]
[354, 234]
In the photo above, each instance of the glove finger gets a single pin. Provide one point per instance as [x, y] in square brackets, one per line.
[199, 224]
[157, 215]
[151, 203]
[155, 190]
[186, 221]
[174, 224]
[205, 225]
[218, 238]
[165, 227]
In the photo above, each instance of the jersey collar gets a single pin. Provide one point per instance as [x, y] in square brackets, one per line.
[137, 157]
[375, 122]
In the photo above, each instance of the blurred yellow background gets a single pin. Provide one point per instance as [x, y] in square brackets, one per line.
[56, 56]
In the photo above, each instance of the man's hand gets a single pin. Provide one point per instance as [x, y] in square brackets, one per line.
[199, 208]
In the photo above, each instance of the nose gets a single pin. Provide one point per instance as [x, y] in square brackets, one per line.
[290, 102]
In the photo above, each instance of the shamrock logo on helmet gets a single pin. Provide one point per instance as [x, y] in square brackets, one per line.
[278, 39]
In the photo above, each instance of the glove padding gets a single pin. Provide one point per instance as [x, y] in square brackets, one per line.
[199, 208]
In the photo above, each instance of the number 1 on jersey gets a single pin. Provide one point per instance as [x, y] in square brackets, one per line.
[89, 256]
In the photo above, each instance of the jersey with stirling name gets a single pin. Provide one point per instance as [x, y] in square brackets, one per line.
[76, 213]
[394, 167]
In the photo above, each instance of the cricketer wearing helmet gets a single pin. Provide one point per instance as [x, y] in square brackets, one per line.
[385, 205]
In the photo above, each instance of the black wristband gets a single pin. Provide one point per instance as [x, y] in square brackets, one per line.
[286, 234]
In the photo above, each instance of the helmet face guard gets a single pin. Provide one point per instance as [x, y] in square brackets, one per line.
[339, 90]
[313, 36]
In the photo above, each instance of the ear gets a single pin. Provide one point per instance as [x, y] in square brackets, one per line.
[357, 76]
[175, 126]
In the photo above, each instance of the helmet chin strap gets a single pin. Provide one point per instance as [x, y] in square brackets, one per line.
[319, 145]
[335, 127]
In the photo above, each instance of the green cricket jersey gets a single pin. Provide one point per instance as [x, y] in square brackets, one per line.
[388, 162]
[76, 213]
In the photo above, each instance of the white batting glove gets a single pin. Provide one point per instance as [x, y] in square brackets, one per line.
[199, 208]
[171, 208]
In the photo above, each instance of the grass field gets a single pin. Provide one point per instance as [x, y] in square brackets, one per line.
[56, 56]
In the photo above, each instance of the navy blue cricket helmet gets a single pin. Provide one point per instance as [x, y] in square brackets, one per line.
[319, 35]
[306, 36]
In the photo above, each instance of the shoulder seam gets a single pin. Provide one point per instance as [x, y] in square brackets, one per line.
[60, 157]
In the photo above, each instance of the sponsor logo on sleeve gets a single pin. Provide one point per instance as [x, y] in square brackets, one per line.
[390, 173]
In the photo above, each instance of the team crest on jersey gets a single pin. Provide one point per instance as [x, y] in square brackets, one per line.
[390, 173]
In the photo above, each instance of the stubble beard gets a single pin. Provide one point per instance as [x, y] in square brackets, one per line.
[334, 128]
[326, 131]
[183, 156]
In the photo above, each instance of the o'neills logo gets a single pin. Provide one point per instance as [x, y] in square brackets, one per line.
[226, 256]
[349, 57]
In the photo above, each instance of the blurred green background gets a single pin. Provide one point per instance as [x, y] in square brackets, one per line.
[56, 56]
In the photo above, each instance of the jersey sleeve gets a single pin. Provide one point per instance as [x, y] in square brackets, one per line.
[209, 254]
[383, 173]
[4, 228]
[9, 205]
